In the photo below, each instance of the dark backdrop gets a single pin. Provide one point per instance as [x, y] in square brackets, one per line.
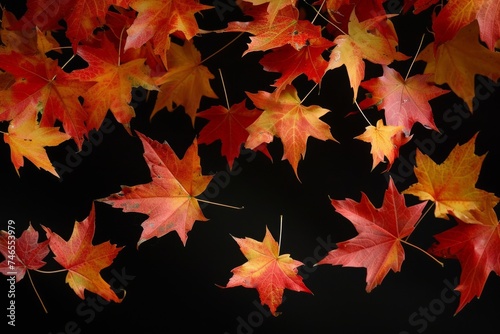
[172, 288]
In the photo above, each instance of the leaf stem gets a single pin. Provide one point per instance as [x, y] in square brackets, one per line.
[36, 292]
[423, 251]
[225, 46]
[416, 54]
[362, 113]
[224, 87]
[219, 204]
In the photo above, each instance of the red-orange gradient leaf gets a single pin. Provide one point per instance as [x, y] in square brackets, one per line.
[83, 260]
[169, 199]
[476, 246]
[28, 252]
[267, 271]
[377, 247]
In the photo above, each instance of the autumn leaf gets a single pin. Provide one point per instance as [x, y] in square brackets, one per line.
[113, 83]
[377, 247]
[287, 118]
[28, 140]
[457, 14]
[186, 81]
[405, 101]
[451, 185]
[43, 87]
[458, 61]
[169, 199]
[157, 20]
[287, 28]
[28, 252]
[267, 271]
[83, 260]
[292, 63]
[364, 41]
[385, 141]
[228, 126]
[476, 246]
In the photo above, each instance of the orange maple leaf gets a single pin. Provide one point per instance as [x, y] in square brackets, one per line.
[83, 260]
[113, 83]
[157, 20]
[365, 41]
[169, 199]
[267, 271]
[287, 28]
[405, 101]
[457, 14]
[385, 141]
[458, 61]
[451, 185]
[43, 87]
[185, 82]
[28, 140]
[285, 117]
[377, 247]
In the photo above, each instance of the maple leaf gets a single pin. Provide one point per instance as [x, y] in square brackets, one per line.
[451, 184]
[365, 40]
[29, 253]
[113, 83]
[157, 20]
[287, 28]
[405, 101]
[292, 63]
[385, 141]
[458, 61]
[83, 260]
[28, 140]
[476, 246]
[273, 7]
[267, 271]
[457, 14]
[228, 126]
[186, 81]
[43, 87]
[169, 199]
[285, 117]
[377, 247]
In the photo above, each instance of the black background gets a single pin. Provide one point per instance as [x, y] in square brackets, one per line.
[172, 288]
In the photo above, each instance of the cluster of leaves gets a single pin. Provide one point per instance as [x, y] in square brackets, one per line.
[126, 44]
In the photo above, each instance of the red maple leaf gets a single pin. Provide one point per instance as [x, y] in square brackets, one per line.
[84, 260]
[286, 28]
[377, 247]
[292, 63]
[267, 271]
[113, 80]
[476, 246]
[23, 253]
[42, 86]
[228, 126]
[157, 20]
[405, 101]
[169, 199]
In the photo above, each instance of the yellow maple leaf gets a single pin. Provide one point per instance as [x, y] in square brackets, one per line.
[186, 81]
[451, 185]
[385, 141]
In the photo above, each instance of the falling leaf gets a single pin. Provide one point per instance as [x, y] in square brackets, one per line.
[377, 247]
[267, 271]
[83, 260]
